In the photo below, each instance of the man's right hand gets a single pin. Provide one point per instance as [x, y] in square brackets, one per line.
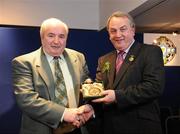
[71, 116]
[78, 116]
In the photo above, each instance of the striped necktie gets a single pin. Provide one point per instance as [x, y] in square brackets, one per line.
[119, 60]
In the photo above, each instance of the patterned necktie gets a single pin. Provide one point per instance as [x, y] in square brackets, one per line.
[119, 60]
[60, 92]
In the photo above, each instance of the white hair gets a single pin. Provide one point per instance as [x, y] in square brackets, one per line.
[46, 22]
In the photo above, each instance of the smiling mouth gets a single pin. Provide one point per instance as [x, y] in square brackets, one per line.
[56, 47]
[119, 40]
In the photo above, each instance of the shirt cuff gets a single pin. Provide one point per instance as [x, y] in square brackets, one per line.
[62, 117]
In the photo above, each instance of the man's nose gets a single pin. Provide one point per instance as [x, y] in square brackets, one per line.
[119, 33]
[56, 39]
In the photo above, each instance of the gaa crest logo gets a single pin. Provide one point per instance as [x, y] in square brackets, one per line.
[168, 48]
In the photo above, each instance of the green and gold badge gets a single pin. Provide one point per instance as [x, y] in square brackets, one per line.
[106, 67]
[131, 58]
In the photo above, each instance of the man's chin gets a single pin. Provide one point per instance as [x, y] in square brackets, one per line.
[58, 52]
[118, 45]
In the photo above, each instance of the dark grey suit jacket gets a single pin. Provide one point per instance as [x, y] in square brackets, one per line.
[34, 89]
[138, 85]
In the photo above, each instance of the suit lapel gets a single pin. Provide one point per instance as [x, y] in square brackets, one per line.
[128, 61]
[111, 74]
[45, 72]
[71, 61]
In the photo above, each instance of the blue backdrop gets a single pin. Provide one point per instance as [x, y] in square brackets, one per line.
[16, 41]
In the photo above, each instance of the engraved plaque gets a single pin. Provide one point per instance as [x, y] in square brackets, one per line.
[92, 91]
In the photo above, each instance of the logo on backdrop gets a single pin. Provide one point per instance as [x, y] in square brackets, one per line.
[168, 48]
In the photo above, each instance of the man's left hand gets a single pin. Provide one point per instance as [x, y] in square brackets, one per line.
[109, 97]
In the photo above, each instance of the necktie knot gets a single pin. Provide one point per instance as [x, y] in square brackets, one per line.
[120, 54]
[56, 57]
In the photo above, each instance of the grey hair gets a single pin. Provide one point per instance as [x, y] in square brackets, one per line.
[121, 14]
[51, 21]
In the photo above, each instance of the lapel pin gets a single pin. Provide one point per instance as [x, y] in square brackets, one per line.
[131, 58]
[106, 67]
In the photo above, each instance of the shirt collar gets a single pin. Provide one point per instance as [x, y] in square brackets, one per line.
[50, 58]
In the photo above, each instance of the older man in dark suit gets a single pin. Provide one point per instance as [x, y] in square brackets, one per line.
[133, 76]
[38, 90]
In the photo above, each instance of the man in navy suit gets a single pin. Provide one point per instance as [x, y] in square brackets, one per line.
[130, 102]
